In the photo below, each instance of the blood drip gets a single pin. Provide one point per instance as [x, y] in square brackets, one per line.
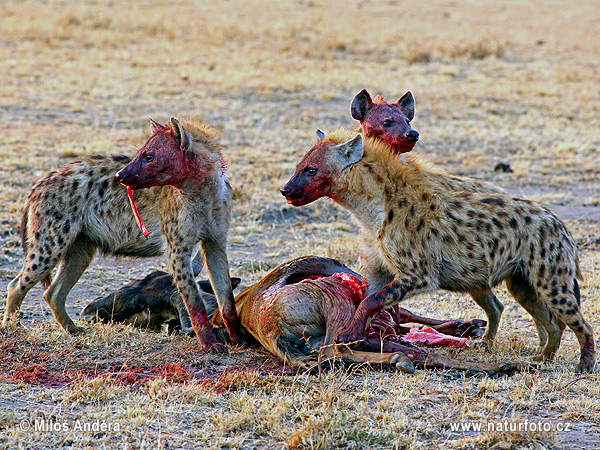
[145, 231]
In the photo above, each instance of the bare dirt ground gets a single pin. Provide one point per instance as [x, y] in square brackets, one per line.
[512, 82]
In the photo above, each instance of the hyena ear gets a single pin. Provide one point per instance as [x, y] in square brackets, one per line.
[320, 134]
[361, 104]
[407, 105]
[155, 126]
[180, 134]
[350, 151]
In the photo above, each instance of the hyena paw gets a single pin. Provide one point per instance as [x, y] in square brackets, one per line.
[350, 337]
[587, 364]
[10, 325]
[238, 338]
[75, 330]
[484, 344]
[215, 348]
[543, 357]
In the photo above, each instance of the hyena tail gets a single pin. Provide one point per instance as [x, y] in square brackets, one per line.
[578, 275]
[577, 292]
[46, 281]
[24, 220]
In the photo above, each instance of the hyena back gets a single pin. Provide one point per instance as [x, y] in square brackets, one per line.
[431, 238]
[80, 208]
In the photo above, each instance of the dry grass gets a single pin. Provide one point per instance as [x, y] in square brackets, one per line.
[510, 81]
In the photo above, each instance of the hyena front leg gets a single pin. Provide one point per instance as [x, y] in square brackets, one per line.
[386, 297]
[179, 305]
[183, 275]
[493, 310]
[77, 258]
[215, 255]
[373, 269]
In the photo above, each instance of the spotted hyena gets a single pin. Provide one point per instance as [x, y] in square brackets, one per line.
[389, 122]
[80, 208]
[431, 238]
[375, 270]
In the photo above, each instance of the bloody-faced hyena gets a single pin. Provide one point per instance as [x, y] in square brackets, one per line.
[431, 238]
[80, 208]
[389, 122]
[379, 275]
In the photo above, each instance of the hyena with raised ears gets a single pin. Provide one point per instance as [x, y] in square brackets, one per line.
[390, 122]
[81, 207]
[431, 238]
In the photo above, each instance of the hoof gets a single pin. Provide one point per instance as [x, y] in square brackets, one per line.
[476, 332]
[512, 368]
[471, 328]
[478, 323]
[402, 363]
[189, 331]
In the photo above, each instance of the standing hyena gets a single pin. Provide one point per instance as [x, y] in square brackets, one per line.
[81, 207]
[431, 238]
[390, 122]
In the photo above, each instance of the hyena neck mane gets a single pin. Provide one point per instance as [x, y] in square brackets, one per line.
[204, 164]
[366, 187]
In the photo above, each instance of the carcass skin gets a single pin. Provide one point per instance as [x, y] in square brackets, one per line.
[296, 317]
[296, 312]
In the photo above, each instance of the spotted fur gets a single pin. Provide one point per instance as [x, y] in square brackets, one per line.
[81, 208]
[433, 238]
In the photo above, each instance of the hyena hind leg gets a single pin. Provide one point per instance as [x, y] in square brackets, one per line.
[73, 264]
[566, 306]
[35, 269]
[550, 329]
[493, 310]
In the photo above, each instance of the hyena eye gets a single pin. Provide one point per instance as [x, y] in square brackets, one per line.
[387, 123]
[148, 157]
[311, 171]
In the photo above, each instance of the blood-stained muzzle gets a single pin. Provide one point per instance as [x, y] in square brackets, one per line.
[129, 176]
[299, 192]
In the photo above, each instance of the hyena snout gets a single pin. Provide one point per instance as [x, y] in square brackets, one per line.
[412, 135]
[127, 178]
[286, 191]
[294, 195]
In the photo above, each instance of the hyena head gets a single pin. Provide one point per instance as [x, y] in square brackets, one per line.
[318, 173]
[165, 159]
[389, 122]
